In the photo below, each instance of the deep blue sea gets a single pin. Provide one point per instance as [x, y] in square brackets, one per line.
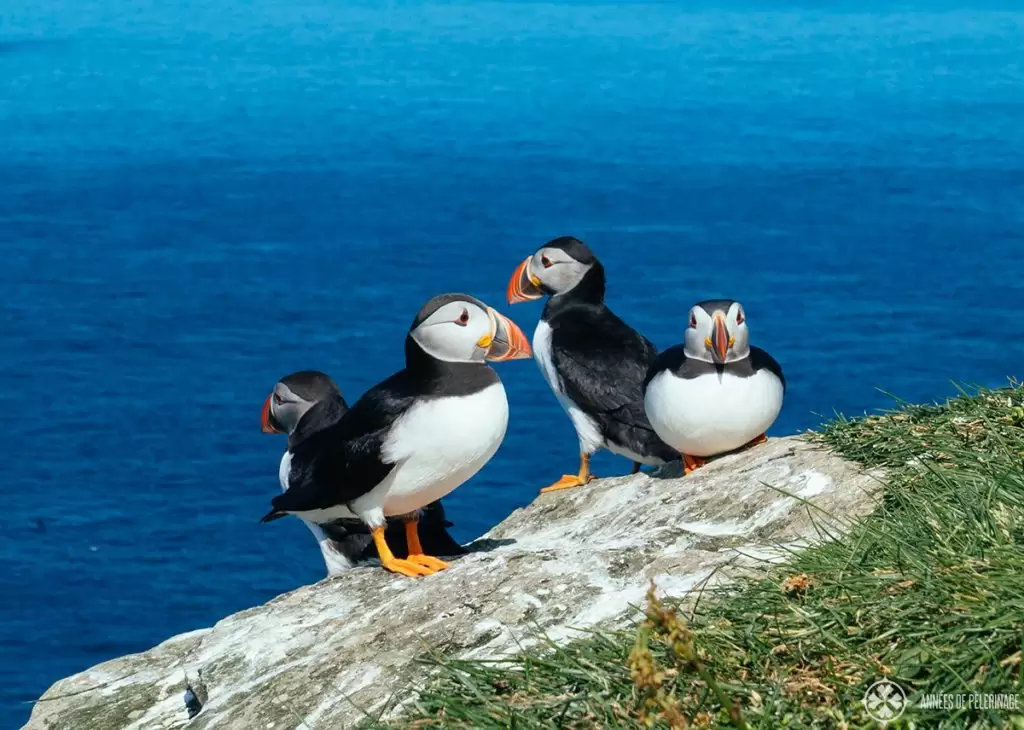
[198, 198]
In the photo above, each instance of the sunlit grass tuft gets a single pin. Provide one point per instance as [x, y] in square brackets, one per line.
[928, 591]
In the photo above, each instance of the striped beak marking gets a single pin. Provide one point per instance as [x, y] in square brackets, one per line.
[267, 420]
[505, 341]
[523, 286]
[719, 343]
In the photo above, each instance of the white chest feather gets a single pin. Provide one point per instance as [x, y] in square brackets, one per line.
[587, 430]
[712, 414]
[438, 444]
[284, 470]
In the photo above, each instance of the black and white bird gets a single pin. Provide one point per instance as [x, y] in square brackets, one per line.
[593, 361]
[414, 437]
[714, 393]
[303, 403]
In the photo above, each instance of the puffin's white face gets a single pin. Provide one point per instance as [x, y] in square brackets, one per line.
[717, 332]
[464, 331]
[549, 271]
[285, 407]
[282, 410]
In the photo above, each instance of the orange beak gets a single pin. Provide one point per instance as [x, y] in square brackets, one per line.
[267, 419]
[523, 286]
[508, 341]
[719, 340]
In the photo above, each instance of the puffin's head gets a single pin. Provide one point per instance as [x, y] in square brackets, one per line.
[292, 396]
[717, 332]
[461, 328]
[556, 268]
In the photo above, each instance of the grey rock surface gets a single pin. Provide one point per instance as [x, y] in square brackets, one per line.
[323, 655]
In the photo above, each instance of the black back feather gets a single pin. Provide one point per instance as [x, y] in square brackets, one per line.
[601, 362]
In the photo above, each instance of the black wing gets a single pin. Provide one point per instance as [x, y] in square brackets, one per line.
[602, 362]
[344, 461]
[600, 359]
[759, 359]
[673, 360]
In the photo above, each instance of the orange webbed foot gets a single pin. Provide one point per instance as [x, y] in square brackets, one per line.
[762, 439]
[569, 481]
[408, 568]
[416, 555]
[431, 563]
[692, 463]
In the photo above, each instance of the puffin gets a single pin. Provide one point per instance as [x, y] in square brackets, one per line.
[593, 361]
[304, 402]
[715, 393]
[415, 436]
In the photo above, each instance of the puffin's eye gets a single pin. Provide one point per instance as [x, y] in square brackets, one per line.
[463, 319]
[277, 400]
[545, 262]
[693, 320]
[739, 317]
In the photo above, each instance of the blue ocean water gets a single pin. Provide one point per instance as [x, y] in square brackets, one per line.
[197, 198]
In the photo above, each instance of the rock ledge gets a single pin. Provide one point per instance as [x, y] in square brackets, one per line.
[323, 655]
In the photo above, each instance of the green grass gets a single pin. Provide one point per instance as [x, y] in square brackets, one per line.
[928, 591]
